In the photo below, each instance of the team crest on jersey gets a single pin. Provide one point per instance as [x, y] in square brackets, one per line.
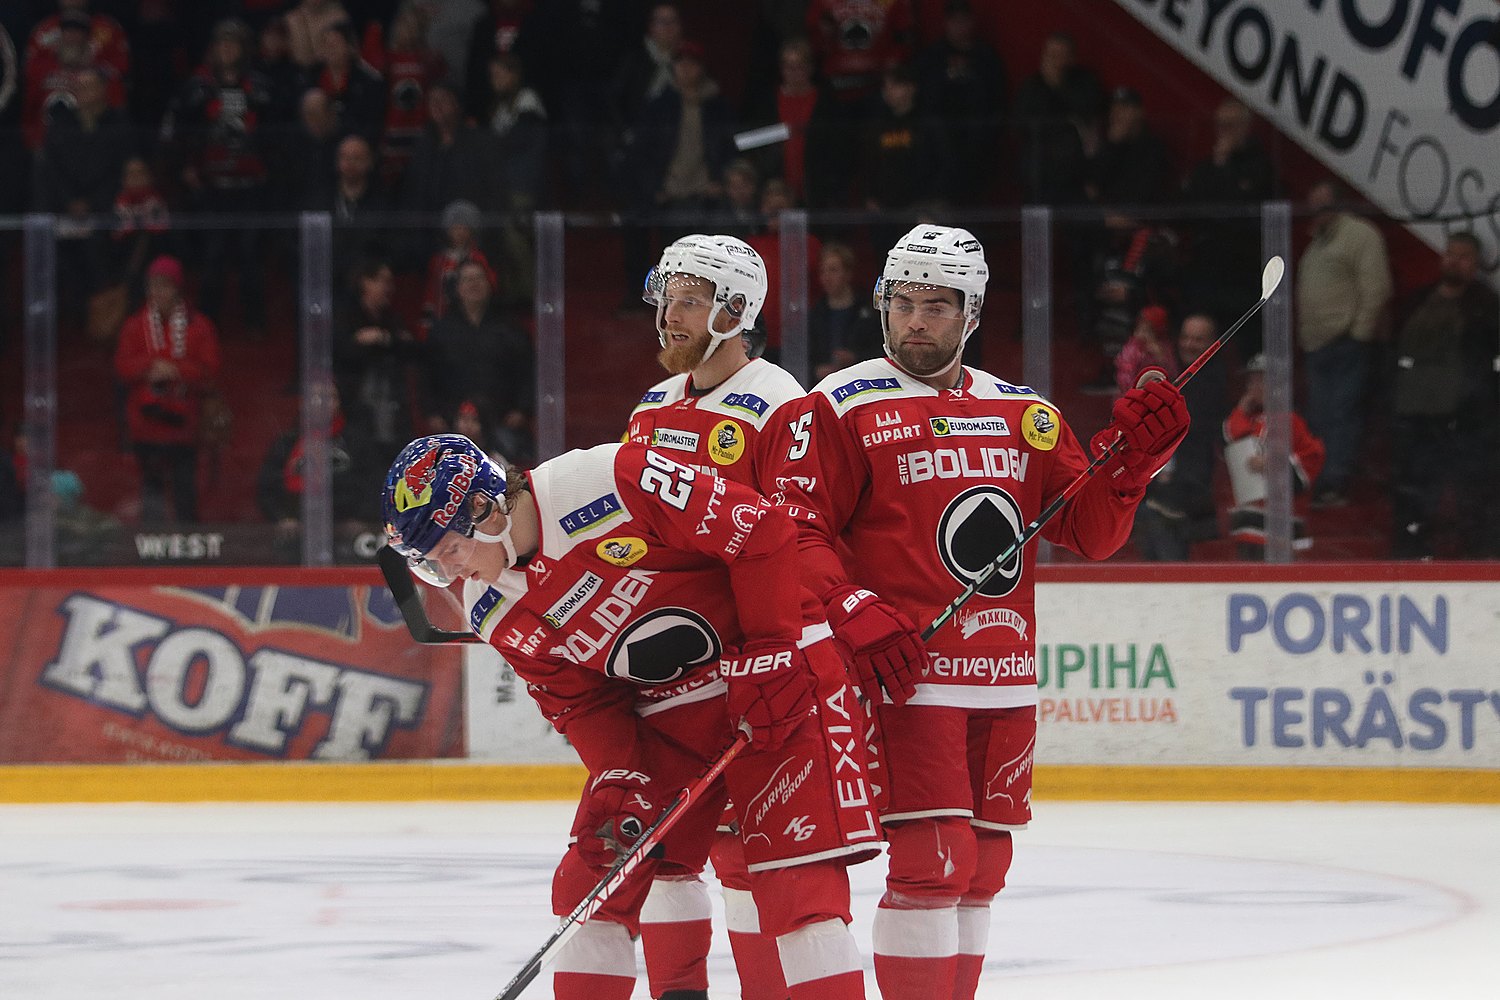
[663, 645]
[626, 550]
[727, 442]
[1039, 427]
[977, 526]
[970, 427]
[673, 439]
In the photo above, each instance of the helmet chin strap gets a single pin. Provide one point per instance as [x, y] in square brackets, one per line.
[504, 540]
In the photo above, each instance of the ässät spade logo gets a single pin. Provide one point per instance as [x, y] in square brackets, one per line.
[662, 645]
[977, 526]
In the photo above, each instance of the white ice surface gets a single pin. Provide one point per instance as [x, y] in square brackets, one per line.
[393, 902]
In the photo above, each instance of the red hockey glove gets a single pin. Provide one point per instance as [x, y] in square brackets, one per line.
[771, 688]
[1152, 419]
[619, 805]
[884, 645]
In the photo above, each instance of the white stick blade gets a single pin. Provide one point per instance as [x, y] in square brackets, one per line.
[1271, 276]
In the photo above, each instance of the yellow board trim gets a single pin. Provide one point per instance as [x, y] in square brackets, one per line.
[463, 781]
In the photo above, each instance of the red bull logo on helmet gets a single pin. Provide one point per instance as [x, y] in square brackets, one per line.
[458, 489]
[415, 487]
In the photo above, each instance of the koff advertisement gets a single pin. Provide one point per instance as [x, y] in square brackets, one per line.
[1401, 98]
[258, 673]
[1266, 675]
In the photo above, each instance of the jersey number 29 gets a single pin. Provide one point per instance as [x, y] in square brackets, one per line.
[668, 480]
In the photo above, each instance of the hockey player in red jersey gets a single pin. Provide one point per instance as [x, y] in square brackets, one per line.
[715, 414]
[651, 610]
[909, 475]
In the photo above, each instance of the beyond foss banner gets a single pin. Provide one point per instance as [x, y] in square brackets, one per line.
[154, 673]
[1399, 97]
[1270, 674]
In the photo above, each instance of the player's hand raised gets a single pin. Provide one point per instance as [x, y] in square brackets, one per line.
[883, 644]
[1152, 419]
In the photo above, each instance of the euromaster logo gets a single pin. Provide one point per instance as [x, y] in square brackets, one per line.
[587, 586]
[1039, 427]
[667, 437]
[623, 551]
[727, 442]
[969, 427]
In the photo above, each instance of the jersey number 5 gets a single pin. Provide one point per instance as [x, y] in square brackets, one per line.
[668, 480]
[801, 437]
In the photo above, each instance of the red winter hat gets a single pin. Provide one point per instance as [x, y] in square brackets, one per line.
[1156, 316]
[166, 266]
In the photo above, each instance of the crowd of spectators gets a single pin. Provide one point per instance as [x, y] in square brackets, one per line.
[430, 129]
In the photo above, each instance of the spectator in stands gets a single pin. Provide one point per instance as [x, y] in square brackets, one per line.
[1245, 454]
[857, 43]
[1222, 271]
[461, 221]
[356, 92]
[469, 421]
[359, 202]
[1179, 505]
[77, 175]
[409, 65]
[354, 477]
[217, 124]
[775, 198]
[1150, 346]
[167, 360]
[453, 161]
[1445, 409]
[1054, 107]
[373, 354]
[806, 159]
[1130, 164]
[1343, 288]
[963, 81]
[842, 325]
[142, 222]
[53, 71]
[497, 32]
[646, 71]
[453, 28]
[310, 158]
[274, 62]
[904, 160]
[108, 47]
[305, 25]
[474, 355]
[518, 123]
[741, 206]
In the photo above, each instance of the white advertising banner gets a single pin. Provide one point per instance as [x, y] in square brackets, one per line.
[1347, 674]
[1266, 675]
[1399, 97]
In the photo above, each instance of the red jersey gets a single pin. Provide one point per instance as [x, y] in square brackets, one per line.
[647, 573]
[912, 492]
[727, 431]
[166, 411]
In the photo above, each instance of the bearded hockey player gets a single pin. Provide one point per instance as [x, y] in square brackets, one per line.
[715, 414]
[918, 472]
[652, 610]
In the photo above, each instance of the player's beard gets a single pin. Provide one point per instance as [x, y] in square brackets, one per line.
[923, 359]
[679, 359]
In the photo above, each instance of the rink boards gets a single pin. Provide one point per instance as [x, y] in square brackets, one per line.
[1350, 682]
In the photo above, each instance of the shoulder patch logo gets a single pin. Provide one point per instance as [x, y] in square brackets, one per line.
[727, 442]
[860, 386]
[589, 515]
[626, 550]
[1039, 427]
[654, 396]
[749, 402]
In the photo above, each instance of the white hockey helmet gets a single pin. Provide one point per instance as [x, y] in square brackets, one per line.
[736, 270]
[938, 257]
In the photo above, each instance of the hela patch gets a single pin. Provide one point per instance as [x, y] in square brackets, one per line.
[1039, 427]
[726, 443]
[623, 551]
[746, 401]
[591, 514]
[860, 386]
[655, 396]
[489, 602]
[666, 437]
[970, 426]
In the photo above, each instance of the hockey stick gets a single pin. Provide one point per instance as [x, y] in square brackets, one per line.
[629, 861]
[1270, 278]
[404, 590]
